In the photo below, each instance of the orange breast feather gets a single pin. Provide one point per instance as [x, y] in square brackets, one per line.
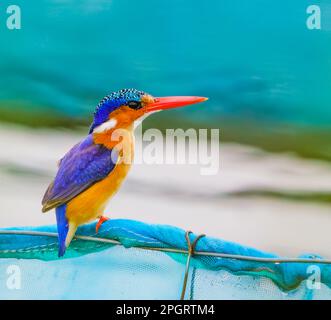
[91, 203]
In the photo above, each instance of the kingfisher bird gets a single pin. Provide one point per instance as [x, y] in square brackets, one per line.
[92, 171]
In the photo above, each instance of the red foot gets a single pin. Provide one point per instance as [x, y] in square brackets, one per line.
[102, 219]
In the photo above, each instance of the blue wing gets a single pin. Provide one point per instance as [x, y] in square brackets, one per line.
[85, 164]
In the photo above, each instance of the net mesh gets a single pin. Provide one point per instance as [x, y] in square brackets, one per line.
[133, 260]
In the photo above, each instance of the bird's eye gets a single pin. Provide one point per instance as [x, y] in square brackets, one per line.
[134, 105]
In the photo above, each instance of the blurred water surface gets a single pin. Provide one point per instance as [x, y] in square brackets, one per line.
[255, 59]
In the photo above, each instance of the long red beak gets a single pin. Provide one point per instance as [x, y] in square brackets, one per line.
[173, 102]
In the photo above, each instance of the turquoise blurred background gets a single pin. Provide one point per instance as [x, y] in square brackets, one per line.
[265, 72]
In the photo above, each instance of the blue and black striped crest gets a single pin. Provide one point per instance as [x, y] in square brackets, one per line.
[124, 97]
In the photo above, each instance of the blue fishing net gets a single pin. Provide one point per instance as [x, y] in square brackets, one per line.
[133, 260]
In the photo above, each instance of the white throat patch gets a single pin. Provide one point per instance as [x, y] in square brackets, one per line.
[110, 124]
[138, 122]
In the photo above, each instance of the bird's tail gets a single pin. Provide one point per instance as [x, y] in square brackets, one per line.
[65, 230]
[62, 227]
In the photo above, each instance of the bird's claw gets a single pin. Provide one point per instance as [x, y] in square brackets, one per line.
[102, 219]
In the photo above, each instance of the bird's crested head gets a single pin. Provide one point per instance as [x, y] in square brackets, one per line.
[125, 101]
[123, 107]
